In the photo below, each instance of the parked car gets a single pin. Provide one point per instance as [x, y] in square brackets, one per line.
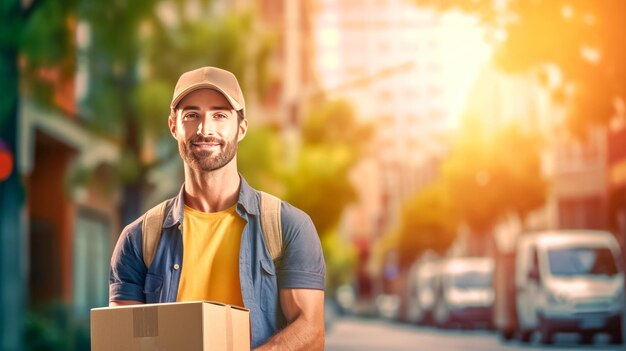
[569, 281]
[388, 306]
[465, 296]
[421, 290]
[346, 299]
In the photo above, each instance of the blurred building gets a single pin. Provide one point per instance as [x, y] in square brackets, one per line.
[61, 253]
[292, 76]
[394, 61]
[400, 68]
[70, 223]
[292, 81]
[580, 180]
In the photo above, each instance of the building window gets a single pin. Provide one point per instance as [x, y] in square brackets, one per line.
[91, 261]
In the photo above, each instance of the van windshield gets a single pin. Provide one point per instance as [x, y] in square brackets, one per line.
[471, 280]
[582, 261]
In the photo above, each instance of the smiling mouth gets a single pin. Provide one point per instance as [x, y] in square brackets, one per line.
[206, 145]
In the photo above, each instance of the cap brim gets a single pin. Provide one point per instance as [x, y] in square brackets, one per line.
[237, 106]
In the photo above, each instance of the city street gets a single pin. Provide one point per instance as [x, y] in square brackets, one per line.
[349, 334]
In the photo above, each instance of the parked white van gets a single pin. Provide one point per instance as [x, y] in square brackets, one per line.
[465, 297]
[569, 281]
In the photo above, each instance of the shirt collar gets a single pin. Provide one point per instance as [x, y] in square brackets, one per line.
[248, 201]
[175, 211]
[248, 198]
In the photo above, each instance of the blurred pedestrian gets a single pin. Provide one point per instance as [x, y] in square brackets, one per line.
[210, 240]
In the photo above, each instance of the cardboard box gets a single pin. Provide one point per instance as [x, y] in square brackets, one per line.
[191, 326]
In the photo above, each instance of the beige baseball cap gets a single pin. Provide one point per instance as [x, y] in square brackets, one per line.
[212, 78]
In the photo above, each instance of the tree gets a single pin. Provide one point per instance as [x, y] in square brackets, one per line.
[341, 257]
[493, 172]
[260, 158]
[317, 181]
[109, 108]
[488, 174]
[333, 140]
[427, 222]
[584, 40]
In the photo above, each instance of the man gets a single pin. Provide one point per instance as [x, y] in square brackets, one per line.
[211, 245]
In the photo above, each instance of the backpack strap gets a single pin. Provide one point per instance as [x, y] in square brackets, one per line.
[151, 232]
[271, 225]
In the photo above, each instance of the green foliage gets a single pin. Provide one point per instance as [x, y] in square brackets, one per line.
[317, 180]
[494, 172]
[53, 327]
[45, 39]
[229, 41]
[12, 16]
[129, 166]
[340, 257]
[38, 33]
[333, 140]
[319, 184]
[260, 159]
[428, 222]
[151, 99]
[112, 55]
[334, 124]
[488, 174]
[115, 29]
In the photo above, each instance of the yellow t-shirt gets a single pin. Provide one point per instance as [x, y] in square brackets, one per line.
[210, 269]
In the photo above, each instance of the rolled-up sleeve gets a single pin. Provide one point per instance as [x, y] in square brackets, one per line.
[128, 271]
[302, 263]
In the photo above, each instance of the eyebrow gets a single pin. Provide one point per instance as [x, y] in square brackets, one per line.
[212, 108]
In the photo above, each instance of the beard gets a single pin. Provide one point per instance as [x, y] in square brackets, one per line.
[208, 160]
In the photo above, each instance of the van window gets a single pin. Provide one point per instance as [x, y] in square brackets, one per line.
[582, 261]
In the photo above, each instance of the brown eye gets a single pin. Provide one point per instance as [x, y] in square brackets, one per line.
[190, 116]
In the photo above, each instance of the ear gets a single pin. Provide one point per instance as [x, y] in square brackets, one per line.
[243, 129]
[171, 121]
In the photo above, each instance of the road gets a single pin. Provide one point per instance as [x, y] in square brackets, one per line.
[348, 334]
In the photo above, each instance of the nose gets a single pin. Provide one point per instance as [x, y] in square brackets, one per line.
[205, 127]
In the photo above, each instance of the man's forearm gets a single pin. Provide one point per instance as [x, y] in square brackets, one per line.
[299, 335]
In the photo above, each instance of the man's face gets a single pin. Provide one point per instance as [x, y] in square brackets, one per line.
[207, 130]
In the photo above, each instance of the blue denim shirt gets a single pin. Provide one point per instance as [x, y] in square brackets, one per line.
[300, 266]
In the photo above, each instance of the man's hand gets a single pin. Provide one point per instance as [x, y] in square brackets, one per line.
[304, 311]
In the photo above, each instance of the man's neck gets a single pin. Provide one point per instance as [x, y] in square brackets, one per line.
[212, 191]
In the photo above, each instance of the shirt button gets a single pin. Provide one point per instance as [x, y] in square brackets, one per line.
[176, 266]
